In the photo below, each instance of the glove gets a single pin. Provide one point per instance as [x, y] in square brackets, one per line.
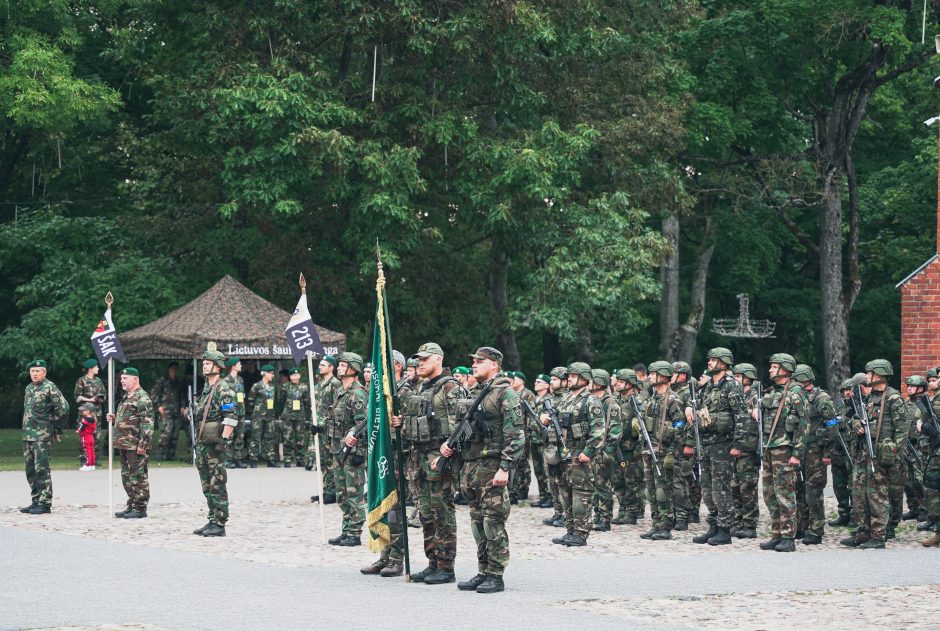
[635, 423]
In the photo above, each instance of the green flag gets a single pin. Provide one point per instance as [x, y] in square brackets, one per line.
[382, 491]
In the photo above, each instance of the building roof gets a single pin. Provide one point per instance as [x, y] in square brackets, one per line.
[917, 271]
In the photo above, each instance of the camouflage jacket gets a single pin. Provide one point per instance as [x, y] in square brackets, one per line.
[748, 442]
[295, 402]
[582, 416]
[133, 421]
[888, 432]
[629, 438]
[541, 434]
[664, 419]
[726, 417]
[789, 431]
[169, 393]
[238, 385]
[498, 422]
[429, 414]
[260, 404]
[348, 410]
[822, 421]
[613, 426]
[93, 388]
[221, 408]
[45, 411]
[529, 397]
[327, 392]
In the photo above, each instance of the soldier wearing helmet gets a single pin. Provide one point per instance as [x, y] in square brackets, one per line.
[746, 460]
[723, 420]
[841, 465]
[216, 419]
[929, 432]
[610, 456]
[912, 464]
[557, 391]
[537, 443]
[582, 417]
[687, 498]
[784, 411]
[522, 474]
[628, 480]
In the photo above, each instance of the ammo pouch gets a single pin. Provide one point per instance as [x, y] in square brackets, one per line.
[724, 424]
[550, 453]
[211, 433]
[887, 453]
[669, 462]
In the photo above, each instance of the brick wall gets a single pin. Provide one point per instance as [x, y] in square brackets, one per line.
[920, 322]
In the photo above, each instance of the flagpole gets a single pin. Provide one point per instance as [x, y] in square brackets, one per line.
[109, 300]
[398, 450]
[316, 424]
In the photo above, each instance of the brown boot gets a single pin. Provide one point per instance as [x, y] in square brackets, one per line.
[375, 568]
[933, 541]
[394, 568]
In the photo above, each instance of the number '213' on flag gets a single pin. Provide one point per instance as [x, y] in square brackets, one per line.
[301, 333]
[105, 341]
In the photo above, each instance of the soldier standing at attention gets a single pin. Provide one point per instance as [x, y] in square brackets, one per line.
[237, 456]
[349, 477]
[687, 492]
[929, 428]
[90, 389]
[489, 456]
[722, 418]
[169, 396]
[609, 456]
[784, 408]
[536, 445]
[45, 411]
[746, 462]
[133, 436]
[841, 464]
[582, 419]
[821, 423]
[260, 407]
[888, 425]
[558, 390]
[629, 481]
[522, 476]
[295, 403]
[216, 422]
[328, 388]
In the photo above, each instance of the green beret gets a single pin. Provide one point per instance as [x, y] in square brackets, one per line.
[267, 368]
[293, 371]
[88, 364]
[461, 370]
[37, 363]
[331, 359]
[519, 375]
[231, 361]
[130, 370]
[543, 377]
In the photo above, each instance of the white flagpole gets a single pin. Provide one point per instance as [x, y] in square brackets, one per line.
[109, 300]
[316, 424]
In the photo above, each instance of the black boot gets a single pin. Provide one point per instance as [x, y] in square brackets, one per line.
[770, 544]
[214, 530]
[470, 585]
[909, 515]
[439, 577]
[491, 585]
[575, 540]
[420, 576]
[842, 520]
[786, 545]
[721, 538]
[703, 538]
[812, 539]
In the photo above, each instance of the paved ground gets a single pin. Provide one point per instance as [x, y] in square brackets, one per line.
[80, 568]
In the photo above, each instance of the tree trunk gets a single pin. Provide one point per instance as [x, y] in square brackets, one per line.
[551, 351]
[835, 325]
[669, 279]
[686, 336]
[499, 307]
[582, 351]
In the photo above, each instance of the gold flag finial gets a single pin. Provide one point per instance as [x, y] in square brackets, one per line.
[303, 283]
[378, 255]
[109, 300]
[212, 346]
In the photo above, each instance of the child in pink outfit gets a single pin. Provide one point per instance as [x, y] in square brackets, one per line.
[87, 422]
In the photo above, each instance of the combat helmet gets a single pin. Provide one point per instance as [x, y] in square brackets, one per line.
[581, 369]
[354, 360]
[916, 380]
[786, 361]
[722, 354]
[880, 367]
[803, 373]
[600, 377]
[681, 368]
[662, 368]
[215, 357]
[748, 370]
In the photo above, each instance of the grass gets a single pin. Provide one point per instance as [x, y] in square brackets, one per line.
[65, 453]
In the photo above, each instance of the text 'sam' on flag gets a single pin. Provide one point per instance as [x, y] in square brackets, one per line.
[302, 336]
[382, 495]
[105, 341]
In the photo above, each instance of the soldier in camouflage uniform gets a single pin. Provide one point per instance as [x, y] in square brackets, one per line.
[888, 425]
[215, 419]
[687, 492]
[522, 475]
[664, 423]
[746, 460]
[328, 388]
[169, 397]
[912, 469]
[609, 456]
[238, 455]
[784, 412]
[133, 437]
[822, 423]
[723, 423]
[628, 481]
[582, 419]
[929, 430]
[349, 474]
[260, 410]
[295, 406]
[90, 389]
[45, 411]
[537, 443]
[841, 464]
[558, 387]
[488, 456]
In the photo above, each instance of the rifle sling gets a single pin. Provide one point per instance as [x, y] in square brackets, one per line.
[773, 425]
[881, 413]
[205, 409]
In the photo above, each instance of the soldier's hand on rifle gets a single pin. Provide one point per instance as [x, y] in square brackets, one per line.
[350, 441]
[396, 421]
[545, 419]
[735, 452]
[920, 425]
[110, 417]
[583, 458]
[793, 461]
[688, 452]
[446, 451]
[501, 478]
[689, 415]
[141, 451]
[754, 414]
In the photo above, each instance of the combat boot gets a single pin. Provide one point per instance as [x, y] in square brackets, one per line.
[872, 544]
[630, 520]
[562, 539]
[855, 541]
[550, 521]
[649, 533]
[602, 526]
[135, 514]
[681, 525]
[546, 502]
[374, 568]
[39, 509]
[491, 585]
[909, 515]
[420, 576]
[799, 534]
[121, 514]
[252, 464]
[771, 544]
[574, 540]
[745, 533]
[394, 568]
[214, 530]
[694, 517]
[703, 538]
[932, 541]
[786, 545]
[842, 520]
[439, 577]
[812, 539]
[26, 509]
[559, 523]
[199, 531]
[309, 467]
[329, 498]
[721, 538]
[350, 541]
[619, 520]
[661, 535]
[472, 584]
[924, 526]
[335, 540]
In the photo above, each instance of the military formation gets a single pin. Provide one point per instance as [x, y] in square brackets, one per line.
[600, 444]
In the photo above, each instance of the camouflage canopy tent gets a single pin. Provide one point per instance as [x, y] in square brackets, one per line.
[239, 321]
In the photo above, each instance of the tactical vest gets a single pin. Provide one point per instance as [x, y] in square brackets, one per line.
[487, 422]
[722, 421]
[343, 412]
[425, 423]
[577, 424]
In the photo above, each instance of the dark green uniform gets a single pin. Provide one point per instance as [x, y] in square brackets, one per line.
[45, 411]
[133, 431]
[215, 408]
[582, 417]
[260, 407]
[295, 410]
[349, 477]
[784, 408]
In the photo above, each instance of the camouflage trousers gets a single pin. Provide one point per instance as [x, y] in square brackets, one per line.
[326, 462]
[350, 483]
[871, 508]
[293, 439]
[256, 430]
[577, 497]
[538, 469]
[435, 499]
[604, 486]
[814, 481]
[628, 488]
[842, 484]
[779, 481]
[213, 476]
[521, 475]
[271, 438]
[717, 469]
[554, 487]
[395, 550]
[134, 477]
[660, 487]
[932, 495]
[689, 472]
[744, 492]
[896, 484]
[913, 485]
[489, 510]
[239, 448]
[681, 505]
[37, 454]
[170, 427]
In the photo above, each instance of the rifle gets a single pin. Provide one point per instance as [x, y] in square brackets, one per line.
[564, 454]
[646, 435]
[698, 440]
[845, 449]
[760, 426]
[359, 432]
[192, 423]
[913, 456]
[928, 414]
[461, 434]
[863, 414]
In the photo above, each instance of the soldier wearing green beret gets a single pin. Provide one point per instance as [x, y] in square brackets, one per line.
[133, 437]
[169, 397]
[260, 407]
[238, 455]
[90, 389]
[522, 474]
[294, 412]
[45, 411]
